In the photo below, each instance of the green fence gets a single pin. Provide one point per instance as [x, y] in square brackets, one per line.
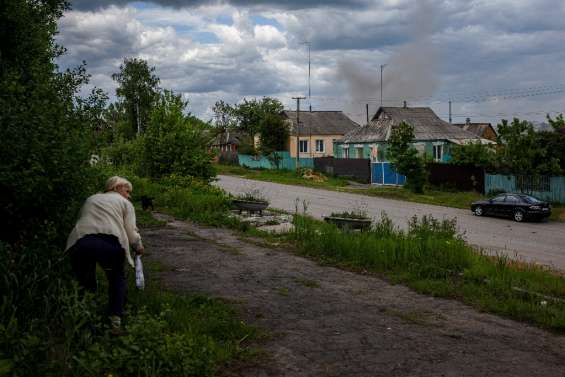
[285, 162]
[551, 189]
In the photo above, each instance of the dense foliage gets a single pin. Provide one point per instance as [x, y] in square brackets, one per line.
[405, 157]
[44, 176]
[174, 142]
[49, 133]
[251, 118]
[521, 150]
[473, 154]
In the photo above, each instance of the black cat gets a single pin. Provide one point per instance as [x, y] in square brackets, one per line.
[147, 202]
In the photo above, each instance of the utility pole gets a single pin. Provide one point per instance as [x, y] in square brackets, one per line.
[449, 111]
[298, 130]
[307, 43]
[382, 67]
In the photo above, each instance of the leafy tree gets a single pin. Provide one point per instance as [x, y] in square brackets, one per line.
[554, 142]
[274, 136]
[274, 133]
[250, 113]
[474, 154]
[138, 89]
[46, 151]
[558, 124]
[224, 115]
[404, 156]
[521, 150]
[175, 143]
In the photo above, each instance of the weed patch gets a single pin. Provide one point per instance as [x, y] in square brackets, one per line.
[432, 258]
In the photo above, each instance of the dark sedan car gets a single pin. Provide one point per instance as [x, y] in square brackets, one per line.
[517, 206]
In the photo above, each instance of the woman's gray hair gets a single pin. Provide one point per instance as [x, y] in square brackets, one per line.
[114, 182]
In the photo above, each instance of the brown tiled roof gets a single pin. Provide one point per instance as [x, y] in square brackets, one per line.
[321, 122]
[476, 128]
[427, 126]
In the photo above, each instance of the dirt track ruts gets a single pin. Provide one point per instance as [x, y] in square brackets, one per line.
[329, 322]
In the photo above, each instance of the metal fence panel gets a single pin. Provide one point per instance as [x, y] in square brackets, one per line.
[285, 162]
[357, 168]
[538, 187]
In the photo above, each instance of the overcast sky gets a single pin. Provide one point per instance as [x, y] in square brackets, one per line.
[493, 58]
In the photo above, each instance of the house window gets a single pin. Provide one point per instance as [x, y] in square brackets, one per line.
[345, 152]
[320, 146]
[303, 146]
[438, 152]
[374, 153]
[359, 152]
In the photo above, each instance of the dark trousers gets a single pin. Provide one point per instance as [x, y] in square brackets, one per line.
[105, 250]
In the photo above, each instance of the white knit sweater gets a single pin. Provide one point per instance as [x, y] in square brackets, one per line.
[108, 213]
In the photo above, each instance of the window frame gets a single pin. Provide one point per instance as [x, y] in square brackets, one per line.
[437, 152]
[303, 143]
[323, 149]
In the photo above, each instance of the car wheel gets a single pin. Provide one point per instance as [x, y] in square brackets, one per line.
[478, 211]
[519, 215]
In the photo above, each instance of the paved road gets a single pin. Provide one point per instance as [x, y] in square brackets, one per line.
[540, 242]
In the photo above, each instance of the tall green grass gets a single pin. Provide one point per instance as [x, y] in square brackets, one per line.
[431, 258]
[167, 334]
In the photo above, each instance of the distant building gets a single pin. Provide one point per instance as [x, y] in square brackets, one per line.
[317, 131]
[227, 141]
[482, 130]
[433, 137]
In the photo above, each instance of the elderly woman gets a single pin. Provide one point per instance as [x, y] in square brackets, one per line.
[103, 234]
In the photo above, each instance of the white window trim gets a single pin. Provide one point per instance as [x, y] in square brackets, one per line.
[435, 148]
[300, 144]
[358, 149]
[346, 153]
[323, 149]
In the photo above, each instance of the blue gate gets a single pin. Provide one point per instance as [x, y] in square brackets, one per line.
[383, 173]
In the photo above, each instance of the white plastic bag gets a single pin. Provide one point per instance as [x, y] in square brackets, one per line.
[139, 278]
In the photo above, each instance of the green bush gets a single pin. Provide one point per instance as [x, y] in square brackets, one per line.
[175, 143]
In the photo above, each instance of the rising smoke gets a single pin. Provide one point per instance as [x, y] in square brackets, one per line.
[410, 70]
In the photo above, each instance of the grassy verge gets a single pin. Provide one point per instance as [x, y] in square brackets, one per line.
[280, 176]
[167, 334]
[432, 259]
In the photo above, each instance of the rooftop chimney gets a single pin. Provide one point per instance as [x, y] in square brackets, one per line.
[405, 104]
[468, 121]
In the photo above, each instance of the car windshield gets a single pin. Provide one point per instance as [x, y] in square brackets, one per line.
[531, 199]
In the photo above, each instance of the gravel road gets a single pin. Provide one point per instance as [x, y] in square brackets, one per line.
[326, 322]
[542, 243]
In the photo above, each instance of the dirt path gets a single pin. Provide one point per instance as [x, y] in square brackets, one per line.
[329, 322]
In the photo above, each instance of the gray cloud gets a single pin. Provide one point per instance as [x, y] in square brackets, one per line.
[290, 4]
[432, 52]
